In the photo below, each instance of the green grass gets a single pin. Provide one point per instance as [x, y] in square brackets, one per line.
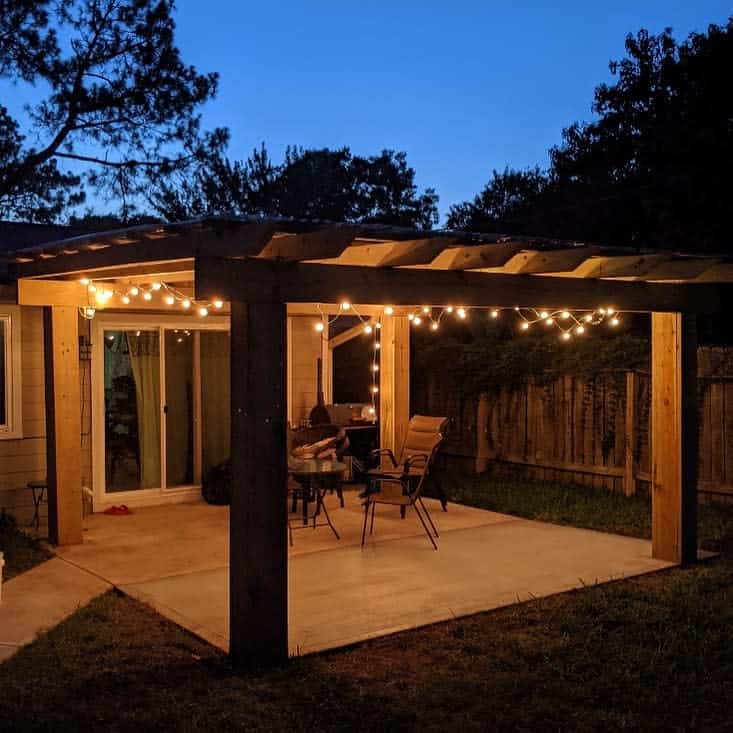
[653, 653]
[581, 506]
[22, 552]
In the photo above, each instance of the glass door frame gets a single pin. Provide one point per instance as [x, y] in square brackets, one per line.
[160, 324]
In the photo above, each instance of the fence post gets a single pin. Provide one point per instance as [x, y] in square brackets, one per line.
[630, 435]
[482, 433]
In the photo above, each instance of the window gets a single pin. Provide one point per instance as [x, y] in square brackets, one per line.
[10, 395]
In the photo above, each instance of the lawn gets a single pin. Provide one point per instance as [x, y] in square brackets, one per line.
[21, 550]
[651, 653]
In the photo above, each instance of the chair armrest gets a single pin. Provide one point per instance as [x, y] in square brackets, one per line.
[379, 452]
[417, 460]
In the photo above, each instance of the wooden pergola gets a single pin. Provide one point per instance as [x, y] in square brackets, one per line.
[264, 266]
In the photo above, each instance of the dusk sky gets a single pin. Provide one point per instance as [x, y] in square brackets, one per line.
[463, 87]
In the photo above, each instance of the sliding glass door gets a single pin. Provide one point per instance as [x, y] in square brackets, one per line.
[161, 408]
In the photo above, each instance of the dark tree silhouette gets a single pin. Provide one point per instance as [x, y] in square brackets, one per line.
[317, 184]
[118, 98]
[654, 168]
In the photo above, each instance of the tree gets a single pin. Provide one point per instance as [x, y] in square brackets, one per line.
[333, 185]
[507, 203]
[119, 99]
[654, 168]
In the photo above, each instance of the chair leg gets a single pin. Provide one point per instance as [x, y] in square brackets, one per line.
[328, 519]
[340, 494]
[290, 533]
[371, 526]
[427, 514]
[439, 491]
[366, 517]
[425, 526]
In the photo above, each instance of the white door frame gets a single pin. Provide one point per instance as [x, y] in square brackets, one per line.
[131, 322]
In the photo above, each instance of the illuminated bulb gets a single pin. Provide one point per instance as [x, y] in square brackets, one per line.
[92, 288]
[84, 281]
[110, 338]
[516, 308]
[186, 303]
[368, 329]
[434, 326]
[461, 312]
[375, 367]
[137, 333]
[345, 305]
[375, 389]
[170, 300]
[377, 346]
[425, 310]
[610, 311]
[614, 321]
[389, 310]
[319, 326]
[411, 317]
[147, 296]
[89, 312]
[602, 311]
[203, 311]
[565, 315]
[156, 286]
[417, 320]
[549, 321]
[580, 330]
[218, 304]
[449, 309]
[566, 336]
[525, 326]
[544, 314]
[134, 291]
[377, 325]
[588, 318]
[371, 410]
[494, 313]
[126, 299]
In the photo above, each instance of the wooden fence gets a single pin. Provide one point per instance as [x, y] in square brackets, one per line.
[592, 430]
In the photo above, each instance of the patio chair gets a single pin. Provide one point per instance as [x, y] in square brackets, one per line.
[403, 490]
[424, 436]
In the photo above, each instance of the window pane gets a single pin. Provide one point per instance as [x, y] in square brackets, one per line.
[3, 385]
[132, 409]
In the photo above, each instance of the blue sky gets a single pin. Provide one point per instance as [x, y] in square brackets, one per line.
[463, 87]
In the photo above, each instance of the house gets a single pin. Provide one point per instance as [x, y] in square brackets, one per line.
[130, 335]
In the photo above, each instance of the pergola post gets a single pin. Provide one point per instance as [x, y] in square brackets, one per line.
[674, 437]
[394, 380]
[258, 571]
[63, 424]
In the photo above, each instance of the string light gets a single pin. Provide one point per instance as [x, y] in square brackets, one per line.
[319, 326]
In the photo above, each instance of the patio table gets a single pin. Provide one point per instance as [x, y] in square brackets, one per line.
[314, 475]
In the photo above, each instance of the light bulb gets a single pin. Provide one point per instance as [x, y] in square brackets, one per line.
[345, 305]
[434, 326]
[89, 312]
[156, 286]
[218, 304]
[544, 314]
[84, 281]
[565, 315]
[126, 299]
[417, 320]
[134, 291]
[147, 296]
[610, 311]
[425, 310]
[411, 317]
[368, 329]
[588, 318]
[549, 321]
[525, 326]
[377, 325]
[566, 336]
[375, 367]
[494, 313]
[170, 300]
[602, 311]
[580, 330]
[615, 321]
[389, 310]
[203, 311]
[377, 346]
[461, 312]
[92, 288]
[319, 326]
[186, 303]
[449, 309]
[375, 389]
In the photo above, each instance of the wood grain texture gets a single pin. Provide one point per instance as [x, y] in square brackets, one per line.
[394, 380]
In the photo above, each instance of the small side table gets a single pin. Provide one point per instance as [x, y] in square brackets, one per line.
[38, 489]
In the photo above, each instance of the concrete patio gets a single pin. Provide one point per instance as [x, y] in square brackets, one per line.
[175, 559]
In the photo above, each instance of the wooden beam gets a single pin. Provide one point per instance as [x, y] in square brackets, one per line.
[631, 266]
[258, 570]
[475, 256]
[63, 424]
[263, 280]
[536, 262]
[316, 245]
[394, 382]
[225, 239]
[53, 292]
[630, 435]
[348, 335]
[414, 252]
[674, 437]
